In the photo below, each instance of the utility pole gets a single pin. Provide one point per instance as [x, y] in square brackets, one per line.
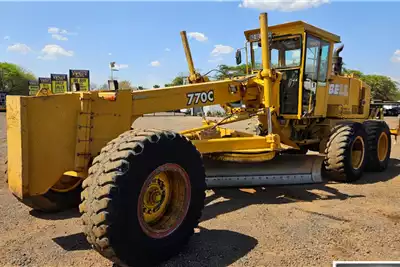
[112, 66]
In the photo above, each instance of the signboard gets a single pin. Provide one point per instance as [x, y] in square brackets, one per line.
[59, 83]
[33, 87]
[79, 80]
[45, 84]
[3, 100]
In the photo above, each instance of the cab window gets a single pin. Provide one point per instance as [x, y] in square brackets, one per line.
[284, 53]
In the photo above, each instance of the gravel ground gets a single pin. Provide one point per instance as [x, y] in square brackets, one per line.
[279, 226]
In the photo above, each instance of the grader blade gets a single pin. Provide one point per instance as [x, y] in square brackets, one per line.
[282, 170]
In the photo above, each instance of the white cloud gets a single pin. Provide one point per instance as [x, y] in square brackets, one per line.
[221, 49]
[155, 63]
[198, 36]
[282, 5]
[120, 66]
[215, 60]
[52, 51]
[55, 30]
[167, 50]
[110, 54]
[7, 38]
[59, 37]
[19, 48]
[396, 56]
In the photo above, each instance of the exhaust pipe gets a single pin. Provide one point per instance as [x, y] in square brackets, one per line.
[337, 61]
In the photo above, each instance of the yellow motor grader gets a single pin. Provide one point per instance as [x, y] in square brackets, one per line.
[141, 191]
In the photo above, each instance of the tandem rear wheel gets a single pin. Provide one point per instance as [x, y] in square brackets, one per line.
[353, 148]
[143, 197]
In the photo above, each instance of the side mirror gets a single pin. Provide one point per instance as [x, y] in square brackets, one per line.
[238, 57]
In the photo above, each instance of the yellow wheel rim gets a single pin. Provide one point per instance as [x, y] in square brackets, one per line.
[66, 184]
[156, 198]
[383, 146]
[357, 152]
[164, 200]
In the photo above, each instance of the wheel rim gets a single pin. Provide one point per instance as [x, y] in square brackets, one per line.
[164, 200]
[383, 146]
[357, 153]
[66, 184]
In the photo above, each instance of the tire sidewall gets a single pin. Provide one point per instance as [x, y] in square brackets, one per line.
[358, 131]
[383, 129]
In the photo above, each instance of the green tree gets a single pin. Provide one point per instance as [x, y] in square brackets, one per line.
[140, 87]
[14, 79]
[382, 87]
[178, 80]
[225, 71]
[156, 86]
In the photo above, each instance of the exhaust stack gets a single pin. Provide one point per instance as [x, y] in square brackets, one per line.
[337, 61]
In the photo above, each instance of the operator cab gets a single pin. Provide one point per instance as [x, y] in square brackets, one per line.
[302, 53]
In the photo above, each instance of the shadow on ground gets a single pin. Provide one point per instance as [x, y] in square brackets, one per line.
[206, 248]
[214, 248]
[63, 215]
[238, 199]
[390, 173]
[73, 242]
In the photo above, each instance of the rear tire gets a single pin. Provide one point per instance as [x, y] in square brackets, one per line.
[345, 151]
[379, 145]
[112, 209]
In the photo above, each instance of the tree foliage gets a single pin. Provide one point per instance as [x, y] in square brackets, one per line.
[124, 85]
[156, 86]
[103, 87]
[14, 79]
[382, 87]
[225, 71]
[178, 80]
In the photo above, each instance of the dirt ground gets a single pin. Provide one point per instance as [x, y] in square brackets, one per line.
[279, 226]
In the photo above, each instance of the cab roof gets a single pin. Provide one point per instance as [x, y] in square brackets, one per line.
[296, 27]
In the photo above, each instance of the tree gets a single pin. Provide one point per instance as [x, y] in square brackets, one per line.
[140, 87]
[382, 87]
[225, 71]
[178, 80]
[93, 86]
[14, 79]
[125, 85]
[156, 86]
[103, 87]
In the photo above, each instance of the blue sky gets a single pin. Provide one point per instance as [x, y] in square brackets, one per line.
[143, 37]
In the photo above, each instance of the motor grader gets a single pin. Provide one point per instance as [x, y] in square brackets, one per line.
[141, 192]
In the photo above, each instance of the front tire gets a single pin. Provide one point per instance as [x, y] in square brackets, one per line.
[345, 151]
[143, 197]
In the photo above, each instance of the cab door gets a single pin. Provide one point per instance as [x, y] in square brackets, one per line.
[316, 65]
